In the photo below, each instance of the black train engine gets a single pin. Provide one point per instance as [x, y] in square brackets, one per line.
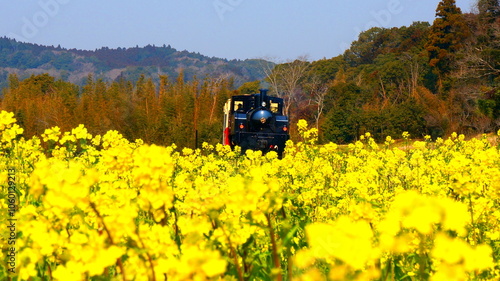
[255, 122]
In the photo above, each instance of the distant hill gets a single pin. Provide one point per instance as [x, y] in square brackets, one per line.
[74, 65]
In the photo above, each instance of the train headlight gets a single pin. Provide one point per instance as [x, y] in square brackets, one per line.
[242, 126]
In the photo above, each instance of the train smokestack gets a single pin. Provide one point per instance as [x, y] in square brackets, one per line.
[263, 96]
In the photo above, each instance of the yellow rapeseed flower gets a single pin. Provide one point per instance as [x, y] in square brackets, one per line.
[51, 134]
[346, 240]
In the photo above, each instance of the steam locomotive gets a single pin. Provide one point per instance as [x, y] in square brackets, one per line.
[255, 122]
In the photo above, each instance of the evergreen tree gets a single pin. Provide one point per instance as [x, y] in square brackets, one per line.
[249, 87]
[345, 108]
[446, 36]
[13, 81]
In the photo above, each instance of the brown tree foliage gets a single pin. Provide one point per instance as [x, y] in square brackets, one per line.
[184, 113]
[446, 36]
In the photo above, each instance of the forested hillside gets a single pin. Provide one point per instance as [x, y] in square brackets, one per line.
[73, 65]
[174, 111]
[426, 79]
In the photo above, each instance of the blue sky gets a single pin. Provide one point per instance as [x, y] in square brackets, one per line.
[234, 29]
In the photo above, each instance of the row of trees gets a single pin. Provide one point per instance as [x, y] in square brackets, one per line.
[172, 112]
[424, 79]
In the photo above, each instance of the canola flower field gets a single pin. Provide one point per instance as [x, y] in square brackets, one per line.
[80, 207]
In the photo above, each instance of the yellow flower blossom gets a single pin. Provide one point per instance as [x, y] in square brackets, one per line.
[6, 119]
[114, 209]
[345, 240]
[81, 132]
[51, 134]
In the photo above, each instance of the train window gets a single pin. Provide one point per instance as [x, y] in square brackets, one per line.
[238, 106]
[274, 106]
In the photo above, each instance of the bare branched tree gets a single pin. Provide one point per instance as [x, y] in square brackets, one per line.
[284, 79]
[215, 87]
[476, 63]
[317, 91]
